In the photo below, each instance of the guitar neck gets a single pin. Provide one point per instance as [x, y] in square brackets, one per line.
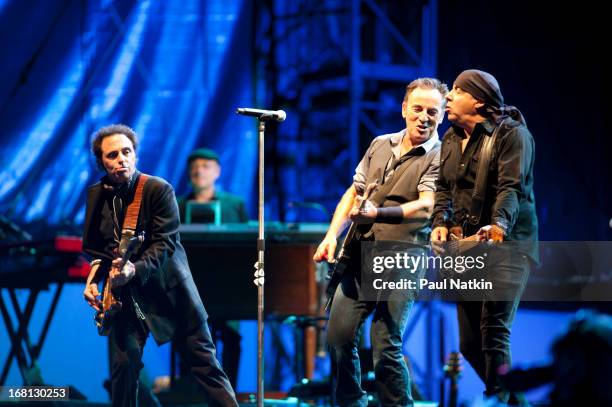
[131, 249]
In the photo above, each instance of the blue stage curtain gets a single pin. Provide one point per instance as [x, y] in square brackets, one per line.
[174, 70]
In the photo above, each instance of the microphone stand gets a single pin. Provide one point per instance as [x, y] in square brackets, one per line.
[262, 116]
[259, 269]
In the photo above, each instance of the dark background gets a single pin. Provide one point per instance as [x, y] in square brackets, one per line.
[549, 59]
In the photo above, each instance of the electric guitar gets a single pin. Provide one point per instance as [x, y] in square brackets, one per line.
[340, 263]
[457, 244]
[111, 305]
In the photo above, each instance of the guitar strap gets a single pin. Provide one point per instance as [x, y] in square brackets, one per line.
[128, 231]
[131, 217]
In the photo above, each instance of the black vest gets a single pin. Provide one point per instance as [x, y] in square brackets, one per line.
[410, 170]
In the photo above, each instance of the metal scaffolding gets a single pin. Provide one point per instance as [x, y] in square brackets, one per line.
[339, 68]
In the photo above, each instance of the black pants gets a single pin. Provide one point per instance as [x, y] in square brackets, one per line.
[347, 315]
[127, 341]
[224, 331]
[485, 326]
[232, 349]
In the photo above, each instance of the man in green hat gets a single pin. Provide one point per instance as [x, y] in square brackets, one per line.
[204, 169]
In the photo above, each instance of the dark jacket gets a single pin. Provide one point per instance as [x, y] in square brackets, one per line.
[509, 200]
[163, 286]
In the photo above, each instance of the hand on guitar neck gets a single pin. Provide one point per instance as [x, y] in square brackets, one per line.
[363, 211]
[360, 206]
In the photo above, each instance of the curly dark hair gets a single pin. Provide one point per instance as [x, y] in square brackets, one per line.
[96, 143]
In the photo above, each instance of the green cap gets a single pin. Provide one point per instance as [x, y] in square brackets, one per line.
[204, 153]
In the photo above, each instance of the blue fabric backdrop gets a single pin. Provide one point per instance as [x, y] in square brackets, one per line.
[173, 70]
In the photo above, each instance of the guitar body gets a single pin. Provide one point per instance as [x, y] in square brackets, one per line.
[458, 244]
[110, 308]
[111, 305]
[337, 271]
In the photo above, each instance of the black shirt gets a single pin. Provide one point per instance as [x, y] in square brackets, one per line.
[509, 200]
[112, 212]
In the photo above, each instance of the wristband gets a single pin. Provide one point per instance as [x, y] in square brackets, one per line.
[391, 214]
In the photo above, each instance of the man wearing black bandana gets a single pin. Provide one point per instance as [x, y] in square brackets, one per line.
[163, 299]
[475, 106]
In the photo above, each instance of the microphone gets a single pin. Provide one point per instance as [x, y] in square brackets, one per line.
[278, 115]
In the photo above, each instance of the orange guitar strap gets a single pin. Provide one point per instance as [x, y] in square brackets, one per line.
[133, 210]
[111, 300]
